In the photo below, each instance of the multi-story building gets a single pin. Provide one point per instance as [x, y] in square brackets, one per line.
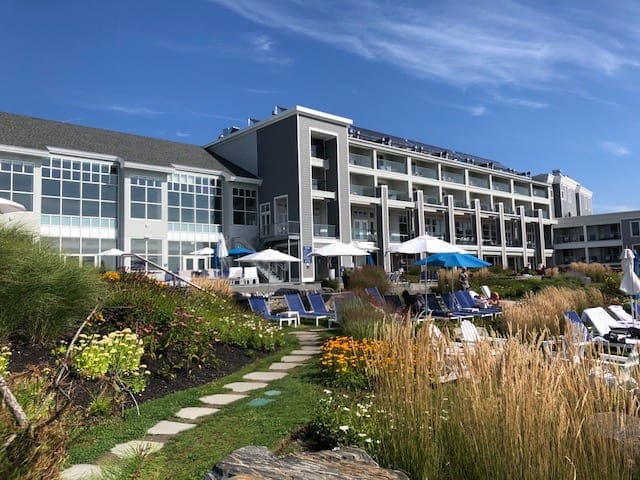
[596, 238]
[88, 190]
[297, 180]
[570, 199]
[325, 179]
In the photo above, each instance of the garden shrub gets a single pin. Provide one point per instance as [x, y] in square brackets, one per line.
[42, 297]
[344, 361]
[360, 319]
[369, 276]
[332, 284]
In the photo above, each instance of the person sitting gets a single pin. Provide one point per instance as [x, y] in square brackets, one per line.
[481, 301]
[412, 302]
[494, 300]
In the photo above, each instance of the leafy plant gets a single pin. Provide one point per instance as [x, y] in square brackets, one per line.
[369, 276]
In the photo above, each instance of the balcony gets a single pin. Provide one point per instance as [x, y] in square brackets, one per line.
[452, 177]
[465, 240]
[360, 160]
[363, 235]
[363, 190]
[399, 195]
[319, 184]
[326, 231]
[397, 237]
[478, 182]
[522, 190]
[540, 192]
[501, 187]
[490, 242]
[426, 172]
[392, 166]
[432, 200]
[279, 229]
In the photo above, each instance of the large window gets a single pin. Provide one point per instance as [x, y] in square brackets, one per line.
[16, 182]
[146, 198]
[74, 188]
[245, 206]
[149, 248]
[194, 201]
[635, 228]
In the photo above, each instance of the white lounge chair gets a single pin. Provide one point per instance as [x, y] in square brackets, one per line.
[625, 319]
[250, 276]
[604, 324]
[469, 333]
[235, 275]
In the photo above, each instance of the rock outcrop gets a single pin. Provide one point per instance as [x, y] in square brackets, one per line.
[259, 463]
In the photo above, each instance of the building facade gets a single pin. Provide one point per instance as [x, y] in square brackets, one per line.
[325, 180]
[596, 238]
[87, 190]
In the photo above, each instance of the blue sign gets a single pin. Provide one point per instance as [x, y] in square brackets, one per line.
[306, 254]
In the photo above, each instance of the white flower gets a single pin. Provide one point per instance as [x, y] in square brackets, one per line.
[328, 392]
[362, 435]
[344, 428]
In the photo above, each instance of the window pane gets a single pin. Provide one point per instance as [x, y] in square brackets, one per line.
[137, 210]
[109, 192]
[202, 201]
[90, 208]
[154, 211]
[71, 189]
[174, 214]
[5, 181]
[174, 199]
[202, 216]
[187, 215]
[251, 218]
[238, 203]
[70, 207]
[90, 245]
[51, 205]
[108, 209]
[187, 200]
[91, 190]
[22, 183]
[51, 187]
[26, 199]
[137, 194]
[238, 218]
[153, 195]
[251, 204]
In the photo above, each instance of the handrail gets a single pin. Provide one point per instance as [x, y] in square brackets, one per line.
[139, 257]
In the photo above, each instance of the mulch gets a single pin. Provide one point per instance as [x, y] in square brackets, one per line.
[230, 359]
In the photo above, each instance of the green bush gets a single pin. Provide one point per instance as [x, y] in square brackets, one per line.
[360, 319]
[369, 276]
[332, 284]
[41, 295]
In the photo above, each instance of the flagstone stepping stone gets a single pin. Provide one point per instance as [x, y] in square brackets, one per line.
[272, 393]
[166, 427]
[265, 376]
[193, 413]
[283, 366]
[295, 358]
[135, 448]
[82, 471]
[309, 351]
[221, 398]
[260, 402]
[242, 387]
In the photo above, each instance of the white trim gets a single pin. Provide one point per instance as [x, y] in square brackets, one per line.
[146, 167]
[83, 154]
[219, 173]
[297, 110]
[22, 150]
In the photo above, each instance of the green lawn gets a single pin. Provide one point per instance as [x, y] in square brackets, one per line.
[190, 454]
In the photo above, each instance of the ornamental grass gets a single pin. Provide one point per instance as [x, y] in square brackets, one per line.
[510, 414]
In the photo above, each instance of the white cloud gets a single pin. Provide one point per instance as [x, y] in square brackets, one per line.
[182, 134]
[519, 102]
[262, 43]
[133, 110]
[614, 148]
[477, 110]
[501, 43]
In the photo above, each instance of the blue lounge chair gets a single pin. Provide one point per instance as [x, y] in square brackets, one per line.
[317, 304]
[440, 311]
[259, 306]
[295, 304]
[376, 296]
[452, 304]
[467, 301]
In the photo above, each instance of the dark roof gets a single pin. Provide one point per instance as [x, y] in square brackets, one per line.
[416, 146]
[37, 133]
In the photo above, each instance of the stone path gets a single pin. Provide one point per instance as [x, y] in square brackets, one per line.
[185, 417]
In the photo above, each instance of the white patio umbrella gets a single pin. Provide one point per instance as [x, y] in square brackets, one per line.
[268, 256]
[222, 251]
[426, 244]
[339, 249]
[630, 283]
[9, 206]
[112, 252]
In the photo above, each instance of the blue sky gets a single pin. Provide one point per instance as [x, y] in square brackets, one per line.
[555, 85]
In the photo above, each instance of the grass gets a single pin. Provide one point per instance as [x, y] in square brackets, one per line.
[190, 454]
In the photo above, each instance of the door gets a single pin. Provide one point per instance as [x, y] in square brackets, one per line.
[281, 205]
[192, 262]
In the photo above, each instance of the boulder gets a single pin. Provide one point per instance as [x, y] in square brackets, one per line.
[259, 463]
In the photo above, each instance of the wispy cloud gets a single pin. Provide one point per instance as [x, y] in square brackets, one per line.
[503, 43]
[133, 110]
[519, 102]
[613, 148]
[259, 48]
[477, 110]
[182, 134]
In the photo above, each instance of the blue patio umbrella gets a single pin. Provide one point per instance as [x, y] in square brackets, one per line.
[451, 260]
[240, 251]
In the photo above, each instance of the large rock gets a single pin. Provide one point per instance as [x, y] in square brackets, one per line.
[258, 463]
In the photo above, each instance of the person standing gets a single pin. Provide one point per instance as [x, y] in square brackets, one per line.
[464, 279]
